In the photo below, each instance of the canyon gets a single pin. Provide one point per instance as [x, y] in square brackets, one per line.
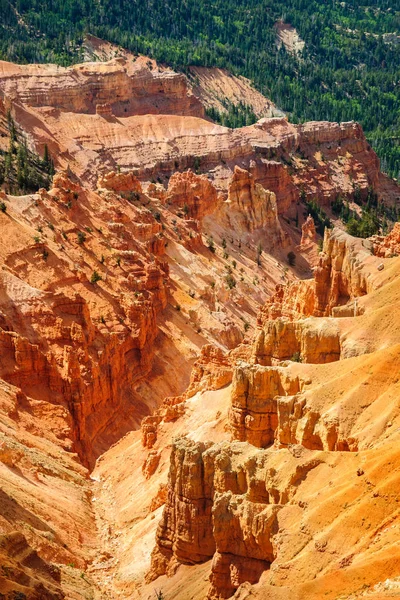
[185, 411]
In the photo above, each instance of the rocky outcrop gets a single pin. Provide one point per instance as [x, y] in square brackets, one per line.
[253, 413]
[387, 246]
[119, 182]
[275, 176]
[184, 534]
[339, 277]
[127, 85]
[249, 207]
[194, 194]
[308, 233]
[269, 408]
[223, 501]
[80, 310]
[108, 292]
[172, 133]
[212, 371]
[310, 340]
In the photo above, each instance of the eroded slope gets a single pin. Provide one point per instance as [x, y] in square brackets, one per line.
[151, 254]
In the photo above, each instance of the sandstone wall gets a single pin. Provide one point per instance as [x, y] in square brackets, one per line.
[129, 87]
[339, 277]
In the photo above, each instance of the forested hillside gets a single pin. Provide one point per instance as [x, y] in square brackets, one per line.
[349, 67]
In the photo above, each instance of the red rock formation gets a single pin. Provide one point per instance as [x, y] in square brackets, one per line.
[308, 233]
[223, 502]
[195, 194]
[119, 182]
[274, 176]
[151, 463]
[85, 352]
[128, 85]
[212, 371]
[387, 246]
[249, 207]
[185, 532]
[253, 413]
[311, 341]
[84, 291]
[338, 277]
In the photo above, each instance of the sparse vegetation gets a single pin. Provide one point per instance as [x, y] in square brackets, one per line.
[95, 277]
[210, 244]
[230, 281]
[81, 236]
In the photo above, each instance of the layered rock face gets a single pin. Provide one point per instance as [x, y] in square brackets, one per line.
[240, 502]
[127, 85]
[268, 407]
[249, 206]
[212, 371]
[253, 414]
[294, 425]
[185, 532]
[226, 512]
[137, 115]
[274, 176]
[58, 341]
[310, 340]
[340, 276]
[195, 194]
